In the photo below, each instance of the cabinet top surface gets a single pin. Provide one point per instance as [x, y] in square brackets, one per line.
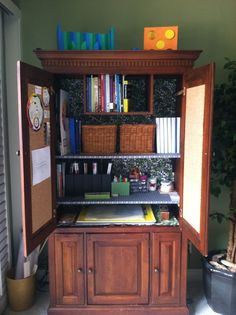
[112, 61]
[157, 54]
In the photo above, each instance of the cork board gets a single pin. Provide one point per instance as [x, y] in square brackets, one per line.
[193, 150]
[41, 193]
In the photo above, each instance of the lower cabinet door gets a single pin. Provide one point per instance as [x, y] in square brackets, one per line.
[165, 270]
[69, 269]
[118, 268]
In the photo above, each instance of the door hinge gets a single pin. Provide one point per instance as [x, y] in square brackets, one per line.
[181, 92]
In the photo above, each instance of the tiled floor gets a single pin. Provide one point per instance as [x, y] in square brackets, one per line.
[197, 301]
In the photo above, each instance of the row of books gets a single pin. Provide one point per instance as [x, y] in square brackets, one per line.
[168, 135]
[107, 93]
[70, 128]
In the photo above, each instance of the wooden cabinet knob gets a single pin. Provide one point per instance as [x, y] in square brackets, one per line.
[79, 270]
[90, 270]
[156, 270]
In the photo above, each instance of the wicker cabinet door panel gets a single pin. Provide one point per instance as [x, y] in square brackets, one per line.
[118, 268]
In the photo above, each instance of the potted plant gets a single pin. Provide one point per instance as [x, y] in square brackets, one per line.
[219, 269]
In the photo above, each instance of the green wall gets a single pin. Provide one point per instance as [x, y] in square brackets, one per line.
[208, 25]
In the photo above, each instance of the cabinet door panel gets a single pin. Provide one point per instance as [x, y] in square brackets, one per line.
[196, 155]
[165, 270]
[117, 268]
[38, 194]
[69, 269]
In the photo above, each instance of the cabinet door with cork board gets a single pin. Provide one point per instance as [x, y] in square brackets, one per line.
[195, 92]
[36, 122]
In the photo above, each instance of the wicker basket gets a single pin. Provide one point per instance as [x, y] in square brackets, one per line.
[137, 138]
[99, 139]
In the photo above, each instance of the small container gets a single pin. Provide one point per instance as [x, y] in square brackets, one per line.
[164, 215]
[76, 167]
[95, 170]
[166, 186]
[152, 184]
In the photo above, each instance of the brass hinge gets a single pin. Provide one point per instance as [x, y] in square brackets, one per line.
[181, 92]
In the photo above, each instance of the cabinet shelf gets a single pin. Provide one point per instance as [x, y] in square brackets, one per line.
[120, 156]
[146, 113]
[137, 198]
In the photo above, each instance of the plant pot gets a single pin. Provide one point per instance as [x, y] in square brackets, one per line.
[219, 287]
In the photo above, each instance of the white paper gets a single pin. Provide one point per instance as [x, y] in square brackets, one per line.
[41, 165]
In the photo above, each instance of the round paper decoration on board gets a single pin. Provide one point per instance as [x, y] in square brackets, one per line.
[160, 44]
[169, 34]
[151, 35]
[46, 96]
[35, 112]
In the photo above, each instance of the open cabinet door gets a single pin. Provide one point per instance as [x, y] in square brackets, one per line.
[196, 155]
[35, 107]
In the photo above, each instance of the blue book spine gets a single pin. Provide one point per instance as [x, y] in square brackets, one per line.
[72, 135]
[118, 92]
[77, 136]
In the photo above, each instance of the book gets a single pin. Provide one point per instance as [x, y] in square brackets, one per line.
[88, 94]
[60, 173]
[102, 92]
[77, 136]
[158, 136]
[108, 92]
[125, 96]
[165, 135]
[173, 135]
[72, 136]
[95, 104]
[177, 134]
[169, 135]
[97, 195]
[64, 123]
[111, 105]
[161, 131]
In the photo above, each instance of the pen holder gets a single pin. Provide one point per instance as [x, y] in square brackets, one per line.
[120, 188]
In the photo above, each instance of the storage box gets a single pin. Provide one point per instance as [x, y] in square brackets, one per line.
[122, 189]
[137, 138]
[99, 139]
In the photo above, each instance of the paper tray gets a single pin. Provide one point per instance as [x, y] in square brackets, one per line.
[116, 214]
